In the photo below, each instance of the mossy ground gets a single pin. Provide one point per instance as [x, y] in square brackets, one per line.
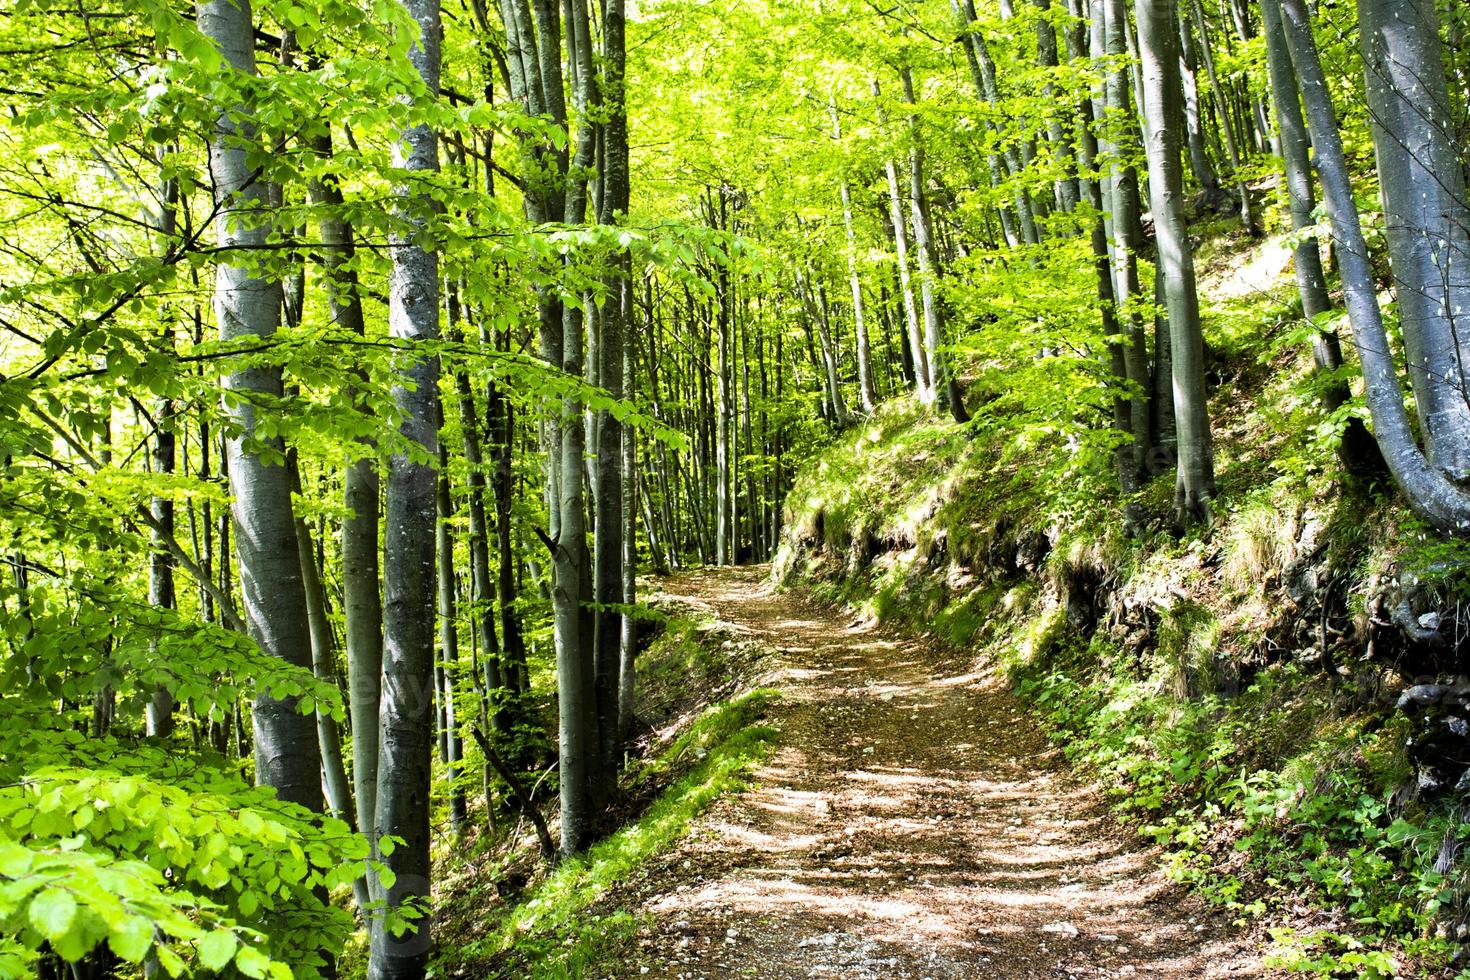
[705, 734]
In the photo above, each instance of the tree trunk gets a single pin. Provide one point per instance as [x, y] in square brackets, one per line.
[451, 741]
[866, 394]
[361, 596]
[286, 754]
[1431, 494]
[1127, 244]
[160, 711]
[406, 713]
[945, 384]
[1426, 215]
[1160, 63]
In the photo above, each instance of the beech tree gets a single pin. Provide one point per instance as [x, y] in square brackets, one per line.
[1195, 485]
[247, 305]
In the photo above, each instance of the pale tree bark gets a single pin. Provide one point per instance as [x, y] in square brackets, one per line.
[335, 785]
[1358, 452]
[1157, 41]
[361, 596]
[1199, 156]
[986, 84]
[1222, 102]
[945, 386]
[248, 304]
[406, 718]
[1430, 492]
[1127, 243]
[1066, 189]
[866, 394]
[1427, 215]
[923, 379]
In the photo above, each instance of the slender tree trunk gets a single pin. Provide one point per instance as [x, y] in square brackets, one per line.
[1247, 210]
[1059, 140]
[361, 596]
[160, 711]
[943, 375]
[866, 394]
[1127, 244]
[923, 379]
[1199, 157]
[451, 741]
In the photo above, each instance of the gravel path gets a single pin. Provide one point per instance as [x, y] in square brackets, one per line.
[914, 823]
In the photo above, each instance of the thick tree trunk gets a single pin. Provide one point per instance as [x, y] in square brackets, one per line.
[1430, 492]
[1427, 215]
[246, 305]
[406, 714]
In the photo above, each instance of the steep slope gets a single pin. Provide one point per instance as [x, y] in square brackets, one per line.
[1234, 688]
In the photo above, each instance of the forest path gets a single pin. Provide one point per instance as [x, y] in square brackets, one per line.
[912, 823]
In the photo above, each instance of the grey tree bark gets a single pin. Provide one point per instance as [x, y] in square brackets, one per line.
[1127, 244]
[866, 393]
[406, 713]
[248, 304]
[451, 740]
[923, 379]
[361, 596]
[1426, 212]
[945, 385]
[1431, 493]
[1158, 41]
[615, 442]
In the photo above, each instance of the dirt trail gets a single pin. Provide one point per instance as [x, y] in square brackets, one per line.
[914, 823]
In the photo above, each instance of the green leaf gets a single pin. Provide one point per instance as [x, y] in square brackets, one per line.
[248, 903]
[252, 962]
[171, 961]
[131, 937]
[216, 949]
[52, 913]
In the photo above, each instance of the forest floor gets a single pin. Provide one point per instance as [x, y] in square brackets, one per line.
[913, 823]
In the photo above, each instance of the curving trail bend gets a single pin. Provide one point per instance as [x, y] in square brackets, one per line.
[913, 823]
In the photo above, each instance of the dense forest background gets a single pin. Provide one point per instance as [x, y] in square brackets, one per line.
[355, 359]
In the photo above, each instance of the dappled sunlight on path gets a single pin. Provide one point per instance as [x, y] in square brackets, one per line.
[914, 823]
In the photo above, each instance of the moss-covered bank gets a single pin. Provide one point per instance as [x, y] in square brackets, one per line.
[1233, 687]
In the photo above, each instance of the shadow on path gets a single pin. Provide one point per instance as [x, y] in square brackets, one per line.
[913, 823]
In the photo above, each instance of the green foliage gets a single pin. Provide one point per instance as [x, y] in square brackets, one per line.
[560, 929]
